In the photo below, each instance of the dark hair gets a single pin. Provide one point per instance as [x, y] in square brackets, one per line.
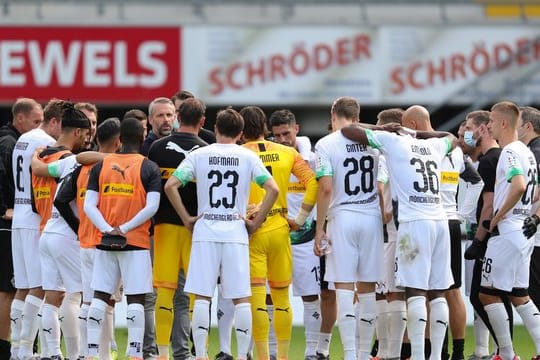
[108, 130]
[229, 123]
[392, 115]
[53, 109]
[131, 132]
[532, 115]
[87, 106]
[282, 117]
[191, 111]
[135, 113]
[182, 95]
[479, 117]
[254, 122]
[23, 106]
[347, 107]
[73, 118]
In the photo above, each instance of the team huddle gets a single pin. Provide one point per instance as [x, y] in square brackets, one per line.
[365, 225]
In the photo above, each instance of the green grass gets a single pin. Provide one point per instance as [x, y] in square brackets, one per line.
[523, 344]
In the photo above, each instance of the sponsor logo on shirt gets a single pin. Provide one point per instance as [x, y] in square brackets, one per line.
[118, 189]
[42, 192]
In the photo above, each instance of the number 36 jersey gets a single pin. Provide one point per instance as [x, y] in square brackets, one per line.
[353, 168]
[223, 173]
[414, 166]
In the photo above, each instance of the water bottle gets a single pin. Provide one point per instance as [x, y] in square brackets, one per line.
[325, 247]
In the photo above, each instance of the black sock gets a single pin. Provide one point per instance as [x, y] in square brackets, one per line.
[5, 349]
[444, 352]
[405, 350]
[375, 348]
[427, 348]
[457, 349]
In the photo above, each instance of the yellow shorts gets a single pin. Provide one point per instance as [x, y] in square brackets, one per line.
[270, 257]
[172, 246]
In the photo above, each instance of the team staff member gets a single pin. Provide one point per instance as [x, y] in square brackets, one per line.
[123, 194]
[270, 247]
[172, 240]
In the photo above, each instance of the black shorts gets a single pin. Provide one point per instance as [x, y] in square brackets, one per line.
[7, 281]
[456, 257]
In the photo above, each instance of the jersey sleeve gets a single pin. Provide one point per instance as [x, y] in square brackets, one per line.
[58, 167]
[151, 176]
[382, 174]
[378, 139]
[260, 173]
[306, 176]
[93, 179]
[185, 172]
[512, 166]
[323, 165]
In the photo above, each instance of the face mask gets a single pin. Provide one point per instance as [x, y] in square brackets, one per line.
[176, 124]
[469, 139]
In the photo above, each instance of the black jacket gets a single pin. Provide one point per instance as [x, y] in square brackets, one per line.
[8, 138]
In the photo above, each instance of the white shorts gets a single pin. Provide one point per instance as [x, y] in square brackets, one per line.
[306, 270]
[87, 268]
[507, 261]
[210, 260]
[357, 248]
[388, 284]
[133, 267]
[26, 264]
[423, 255]
[60, 263]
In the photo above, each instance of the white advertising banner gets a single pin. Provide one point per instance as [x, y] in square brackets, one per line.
[383, 65]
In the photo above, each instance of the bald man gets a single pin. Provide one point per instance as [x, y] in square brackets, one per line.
[454, 165]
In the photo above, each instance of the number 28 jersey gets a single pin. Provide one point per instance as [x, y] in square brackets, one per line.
[353, 168]
[223, 173]
[415, 169]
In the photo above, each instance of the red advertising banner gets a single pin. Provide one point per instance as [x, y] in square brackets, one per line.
[102, 65]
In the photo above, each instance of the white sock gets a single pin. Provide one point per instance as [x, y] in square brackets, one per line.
[438, 322]
[68, 312]
[30, 325]
[397, 323]
[243, 325]
[346, 320]
[225, 323]
[83, 314]
[312, 325]
[135, 321]
[15, 315]
[383, 320]
[481, 337]
[323, 345]
[498, 317]
[531, 318]
[107, 334]
[94, 323]
[272, 340]
[366, 323]
[51, 328]
[200, 324]
[416, 325]
[44, 347]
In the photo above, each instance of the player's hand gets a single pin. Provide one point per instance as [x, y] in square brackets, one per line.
[386, 216]
[251, 226]
[476, 250]
[189, 223]
[252, 210]
[318, 243]
[293, 226]
[392, 127]
[530, 225]
[8, 215]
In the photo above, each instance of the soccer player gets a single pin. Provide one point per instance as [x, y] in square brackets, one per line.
[161, 115]
[172, 240]
[423, 250]
[270, 247]
[348, 199]
[27, 115]
[306, 270]
[91, 112]
[507, 258]
[223, 172]
[25, 231]
[122, 195]
[59, 249]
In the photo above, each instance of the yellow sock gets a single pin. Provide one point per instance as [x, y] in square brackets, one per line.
[164, 316]
[261, 322]
[282, 320]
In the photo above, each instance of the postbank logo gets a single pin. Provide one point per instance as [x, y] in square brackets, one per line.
[43, 192]
[118, 189]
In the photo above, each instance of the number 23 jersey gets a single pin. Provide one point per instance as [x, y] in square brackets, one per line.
[415, 167]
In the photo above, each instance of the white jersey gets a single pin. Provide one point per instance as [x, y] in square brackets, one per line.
[57, 224]
[415, 170]
[388, 196]
[516, 159]
[353, 168]
[453, 164]
[23, 215]
[223, 173]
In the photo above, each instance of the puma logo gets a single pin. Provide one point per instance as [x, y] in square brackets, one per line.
[175, 147]
[244, 331]
[47, 330]
[60, 318]
[115, 167]
[94, 319]
[283, 309]
[404, 319]
[165, 308]
[369, 321]
[131, 318]
[81, 318]
[443, 323]
[536, 314]
[485, 276]
[261, 309]
[422, 320]
[14, 320]
[350, 316]
[203, 328]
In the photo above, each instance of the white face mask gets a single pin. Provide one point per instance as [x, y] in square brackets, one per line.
[176, 124]
[469, 139]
